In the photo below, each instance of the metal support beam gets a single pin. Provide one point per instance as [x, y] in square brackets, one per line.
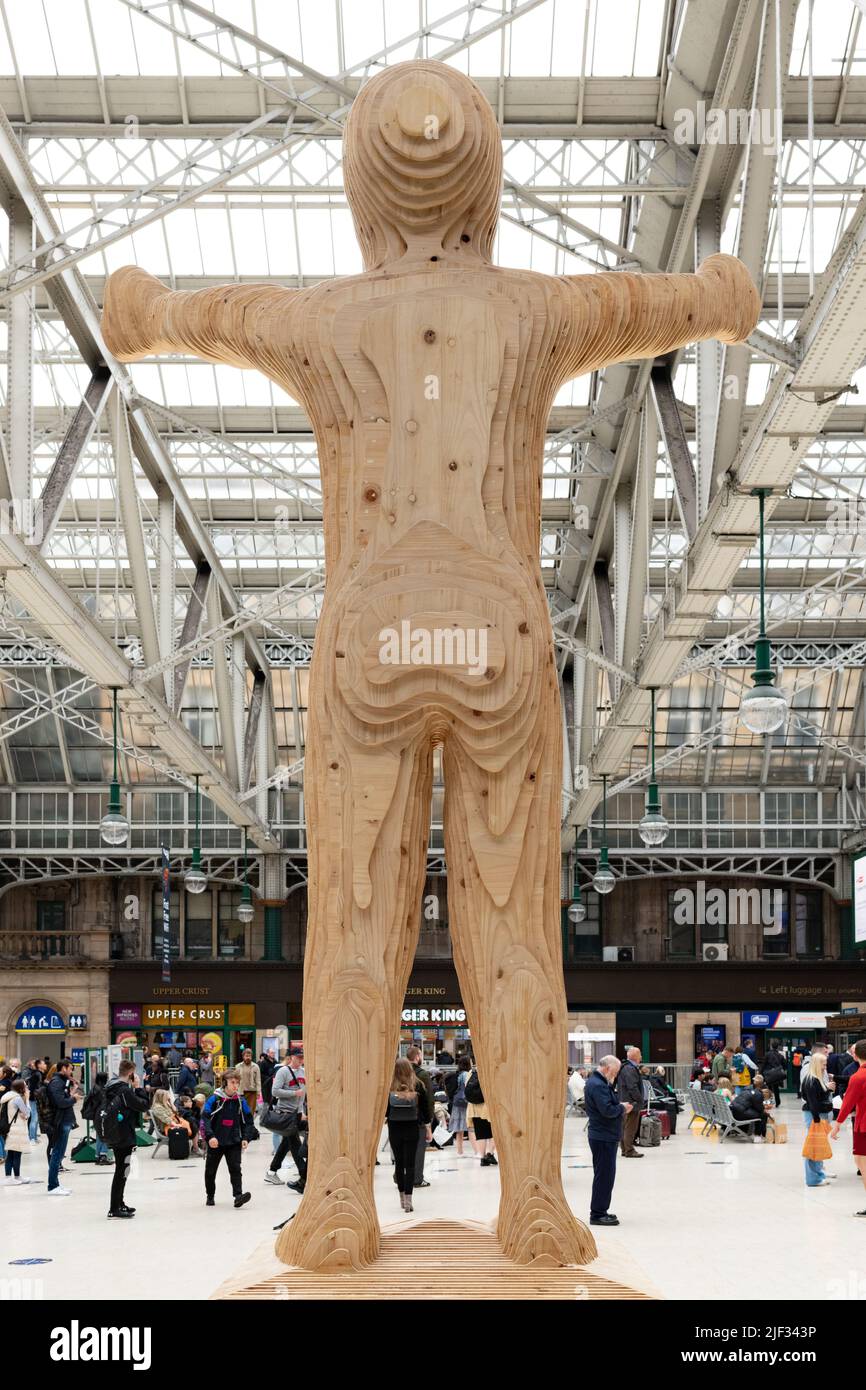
[19, 369]
[133, 530]
[676, 447]
[191, 623]
[254, 714]
[70, 453]
[606, 619]
[708, 361]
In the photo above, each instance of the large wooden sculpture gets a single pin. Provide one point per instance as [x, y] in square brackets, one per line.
[428, 380]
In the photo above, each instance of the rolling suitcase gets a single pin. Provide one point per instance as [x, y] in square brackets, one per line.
[178, 1143]
[650, 1131]
[665, 1122]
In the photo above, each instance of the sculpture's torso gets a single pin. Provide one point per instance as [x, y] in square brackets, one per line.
[429, 394]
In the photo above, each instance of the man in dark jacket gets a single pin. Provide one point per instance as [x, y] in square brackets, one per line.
[774, 1070]
[123, 1100]
[62, 1094]
[228, 1123]
[629, 1088]
[413, 1055]
[33, 1079]
[188, 1076]
[605, 1113]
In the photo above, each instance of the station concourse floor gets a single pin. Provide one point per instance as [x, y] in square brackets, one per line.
[693, 1213]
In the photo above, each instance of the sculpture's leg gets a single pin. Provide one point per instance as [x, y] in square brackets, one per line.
[509, 960]
[368, 815]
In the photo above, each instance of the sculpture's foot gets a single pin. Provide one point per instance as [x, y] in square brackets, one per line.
[335, 1227]
[536, 1226]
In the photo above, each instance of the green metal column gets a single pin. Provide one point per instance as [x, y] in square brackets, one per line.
[273, 931]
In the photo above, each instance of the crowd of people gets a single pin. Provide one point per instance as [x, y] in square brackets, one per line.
[215, 1116]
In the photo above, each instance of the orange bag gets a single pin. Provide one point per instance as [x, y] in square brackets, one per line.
[817, 1142]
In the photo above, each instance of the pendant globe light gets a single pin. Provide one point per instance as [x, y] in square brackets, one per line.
[246, 911]
[577, 909]
[603, 880]
[114, 827]
[653, 827]
[195, 878]
[763, 709]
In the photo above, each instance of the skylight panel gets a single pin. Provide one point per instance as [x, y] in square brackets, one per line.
[30, 37]
[318, 24]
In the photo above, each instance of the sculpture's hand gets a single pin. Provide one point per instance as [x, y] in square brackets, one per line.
[618, 315]
[140, 317]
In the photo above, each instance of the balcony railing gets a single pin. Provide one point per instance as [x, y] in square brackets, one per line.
[89, 943]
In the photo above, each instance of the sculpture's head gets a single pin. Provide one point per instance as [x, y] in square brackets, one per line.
[422, 163]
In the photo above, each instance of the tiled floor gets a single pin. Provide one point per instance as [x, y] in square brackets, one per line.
[698, 1217]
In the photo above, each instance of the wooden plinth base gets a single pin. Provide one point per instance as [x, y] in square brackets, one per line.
[438, 1259]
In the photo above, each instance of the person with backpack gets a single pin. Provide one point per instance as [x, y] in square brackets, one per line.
[478, 1120]
[14, 1117]
[409, 1107]
[58, 1108]
[228, 1124]
[774, 1070]
[122, 1101]
[457, 1122]
[89, 1111]
[288, 1091]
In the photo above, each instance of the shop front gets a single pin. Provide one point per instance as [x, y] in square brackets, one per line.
[435, 1021]
[223, 1030]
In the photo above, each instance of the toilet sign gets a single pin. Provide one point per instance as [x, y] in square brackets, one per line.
[39, 1021]
[77, 1021]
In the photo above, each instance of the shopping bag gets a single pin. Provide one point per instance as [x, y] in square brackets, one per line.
[441, 1135]
[816, 1145]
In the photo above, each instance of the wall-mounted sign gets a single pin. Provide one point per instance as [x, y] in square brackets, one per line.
[78, 1021]
[40, 1020]
[182, 1015]
[860, 901]
[79, 1055]
[439, 1014]
[126, 1015]
[783, 1019]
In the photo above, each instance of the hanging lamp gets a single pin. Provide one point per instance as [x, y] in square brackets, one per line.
[246, 911]
[195, 878]
[603, 880]
[763, 709]
[653, 827]
[577, 909]
[114, 827]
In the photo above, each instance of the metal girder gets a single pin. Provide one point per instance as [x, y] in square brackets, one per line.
[754, 224]
[309, 582]
[19, 367]
[79, 312]
[52, 608]
[216, 162]
[251, 732]
[607, 621]
[39, 703]
[664, 232]
[832, 337]
[191, 623]
[133, 530]
[277, 779]
[676, 447]
[788, 867]
[70, 453]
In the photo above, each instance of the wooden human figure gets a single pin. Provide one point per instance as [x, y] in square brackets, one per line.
[429, 379]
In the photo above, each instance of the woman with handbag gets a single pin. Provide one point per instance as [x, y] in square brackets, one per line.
[17, 1115]
[818, 1108]
[408, 1107]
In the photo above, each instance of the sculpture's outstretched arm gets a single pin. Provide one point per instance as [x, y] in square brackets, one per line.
[140, 317]
[617, 315]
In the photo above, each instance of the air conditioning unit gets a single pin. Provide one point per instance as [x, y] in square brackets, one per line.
[625, 953]
[610, 953]
[715, 950]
